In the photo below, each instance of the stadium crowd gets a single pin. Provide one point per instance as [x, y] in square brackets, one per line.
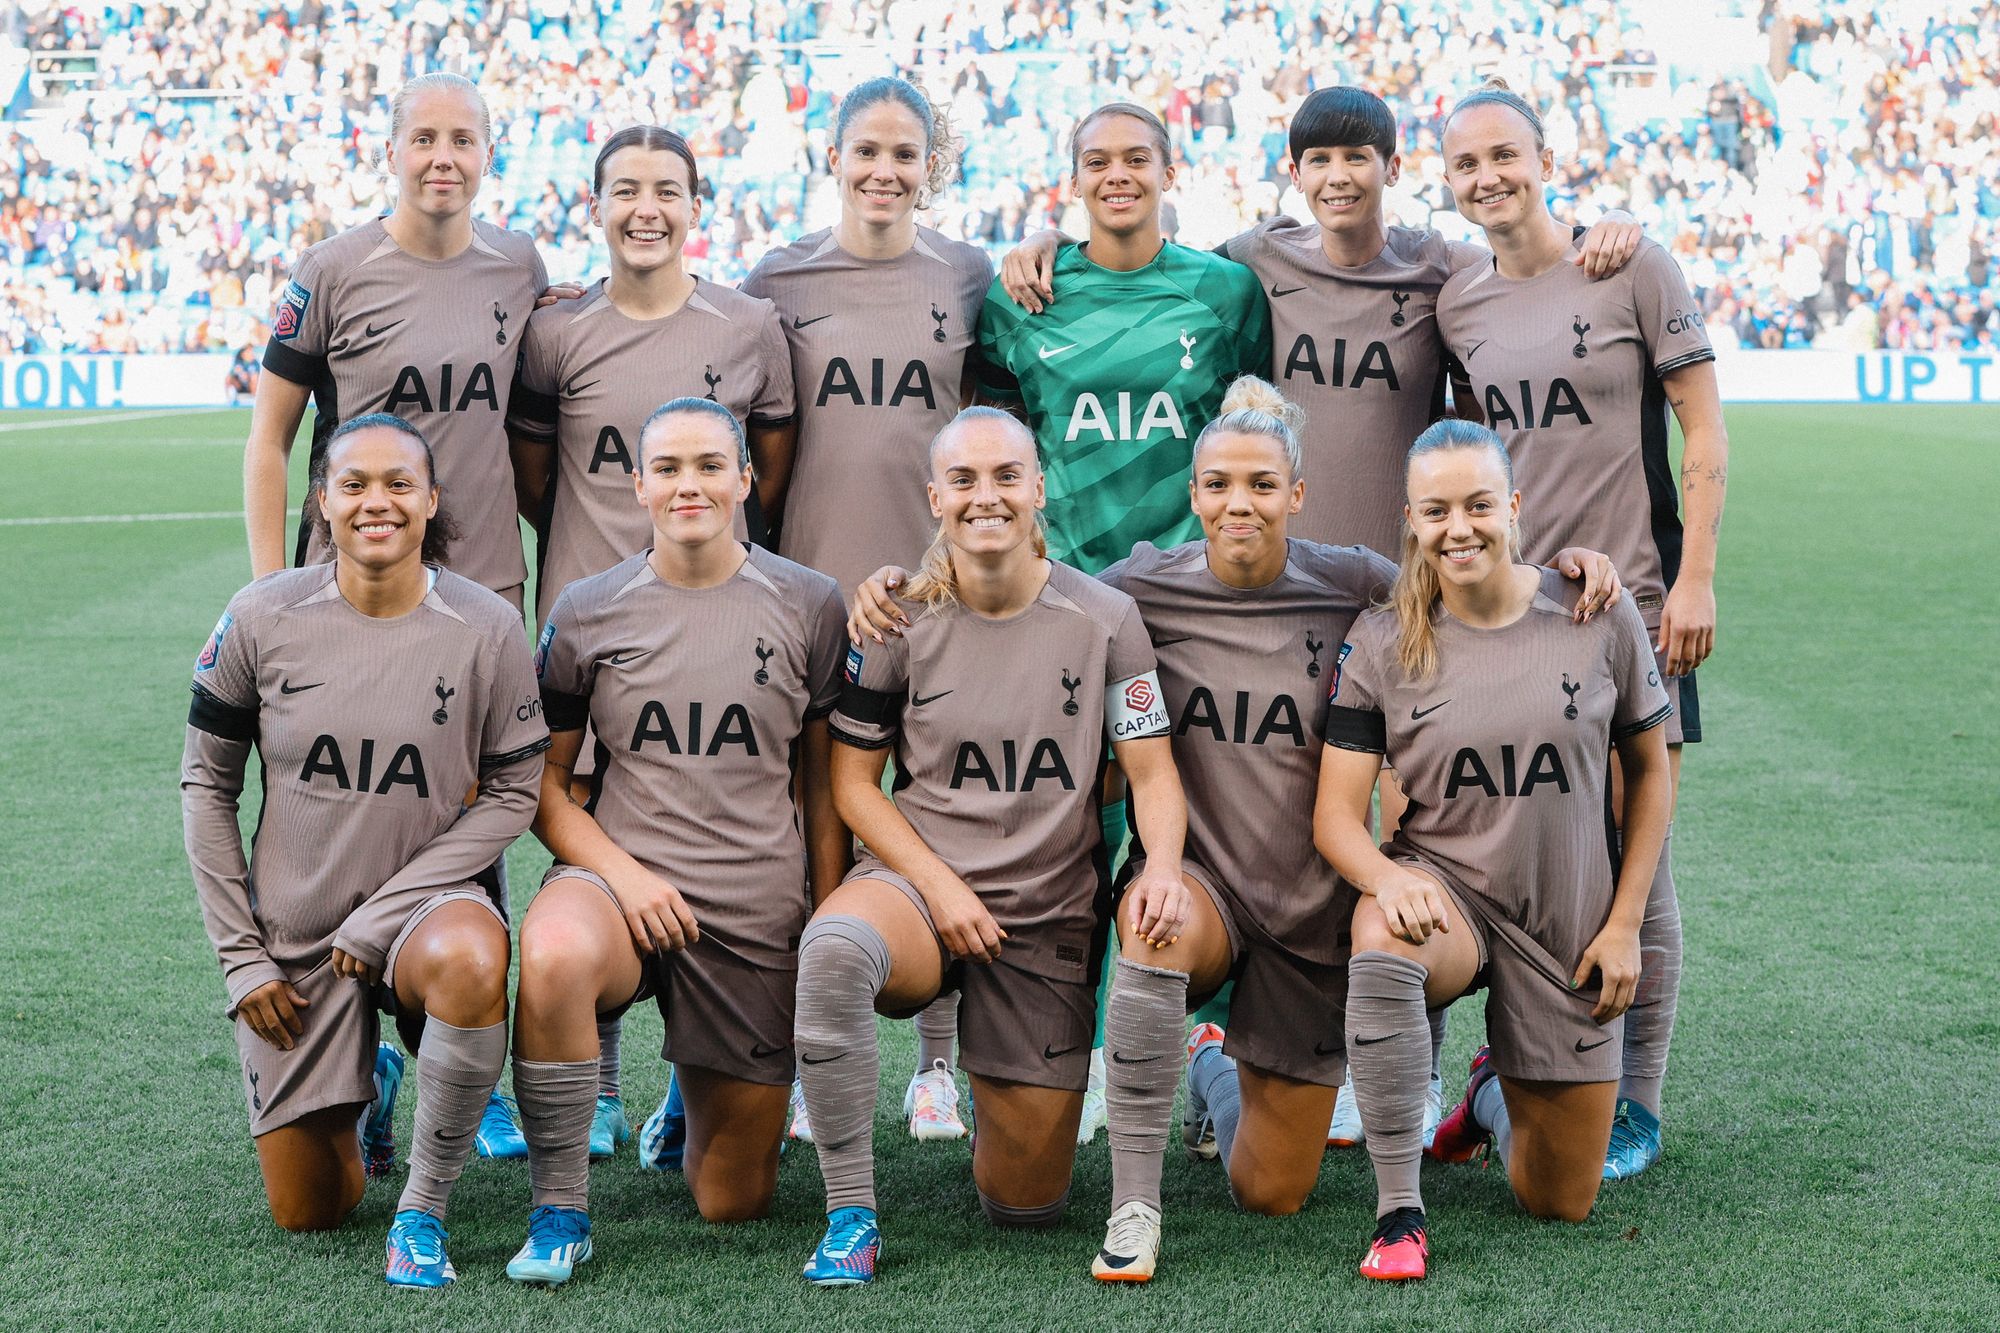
[1825, 177]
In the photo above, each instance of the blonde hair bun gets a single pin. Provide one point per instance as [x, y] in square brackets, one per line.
[1249, 393]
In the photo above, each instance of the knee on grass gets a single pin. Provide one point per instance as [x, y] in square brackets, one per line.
[1034, 1217]
[1557, 1202]
[315, 1212]
[1269, 1198]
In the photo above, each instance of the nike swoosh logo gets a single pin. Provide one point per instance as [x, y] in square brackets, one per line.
[1473, 350]
[622, 658]
[289, 688]
[1417, 715]
[1119, 1059]
[1048, 351]
[1581, 1048]
[1370, 1041]
[919, 700]
[798, 323]
[374, 332]
[572, 389]
[1276, 290]
[443, 1137]
[1168, 643]
[759, 1051]
[1321, 1048]
[1051, 1053]
[827, 1061]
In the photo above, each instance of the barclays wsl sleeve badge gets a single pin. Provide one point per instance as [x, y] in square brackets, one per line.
[291, 311]
[213, 649]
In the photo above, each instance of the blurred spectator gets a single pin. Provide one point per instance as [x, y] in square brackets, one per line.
[1827, 177]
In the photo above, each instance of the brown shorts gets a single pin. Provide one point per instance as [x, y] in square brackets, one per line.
[1288, 1015]
[1013, 1024]
[1538, 1027]
[333, 1062]
[1684, 723]
[723, 1011]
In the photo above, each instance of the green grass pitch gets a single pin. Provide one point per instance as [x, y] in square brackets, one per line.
[1833, 1148]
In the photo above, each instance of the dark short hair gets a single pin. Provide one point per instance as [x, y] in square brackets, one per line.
[1343, 117]
[645, 136]
[439, 532]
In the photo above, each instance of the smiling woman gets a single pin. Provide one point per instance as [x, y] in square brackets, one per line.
[366, 848]
[418, 314]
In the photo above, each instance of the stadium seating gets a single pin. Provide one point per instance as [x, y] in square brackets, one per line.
[1826, 181]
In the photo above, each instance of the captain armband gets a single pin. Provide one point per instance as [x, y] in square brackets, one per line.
[1136, 707]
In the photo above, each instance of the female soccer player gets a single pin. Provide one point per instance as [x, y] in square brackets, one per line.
[986, 873]
[1573, 375]
[880, 312]
[1499, 711]
[704, 665]
[591, 370]
[1352, 303]
[1116, 378]
[1245, 622]
[418, 314]
[377, 690]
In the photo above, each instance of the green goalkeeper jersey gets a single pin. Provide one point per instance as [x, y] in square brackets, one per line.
[1118, 376]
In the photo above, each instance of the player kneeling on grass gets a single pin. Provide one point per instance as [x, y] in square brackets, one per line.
[1499, 712]
[986, 873]
[706, 667]
[1243, 621]
[378, 690]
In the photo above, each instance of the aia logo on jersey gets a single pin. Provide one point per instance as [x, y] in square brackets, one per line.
[1070, 683]
[1140, 695]
[1578, 327]
[413, 390]
[1304, 362]
[1333, 690]
[938, 317]
[1229, 720]
[1470, 771]
[764, 656]
[291, 311]
[840, 381]
[1313, 646]
[1045, 764]
[1401, 299]
[405, 767]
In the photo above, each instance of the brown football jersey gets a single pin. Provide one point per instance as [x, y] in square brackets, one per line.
[1567, 371]
[589, 378]
[879, 352]
[1358, 349]
[1000, 729]
[1504, 754]
[369, 732]
[697, 696]
[1245, 672]
[370, 328]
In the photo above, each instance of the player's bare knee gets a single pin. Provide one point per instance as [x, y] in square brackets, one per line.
[738, 1201]
[558, 954]
[1266, 1197]
[1557, 1203]
[306, 1212]
[466, 977]
[1371, 932]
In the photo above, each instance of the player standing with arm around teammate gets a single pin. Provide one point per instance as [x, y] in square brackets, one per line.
[1572, 375]
[986, 874]
[706, 667]
[880, 312]
[1116, 378]
[418, 314]
[1499, 712]
[377, 690]
[591, 371]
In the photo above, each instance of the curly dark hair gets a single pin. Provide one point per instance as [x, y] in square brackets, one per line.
[439, 532]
